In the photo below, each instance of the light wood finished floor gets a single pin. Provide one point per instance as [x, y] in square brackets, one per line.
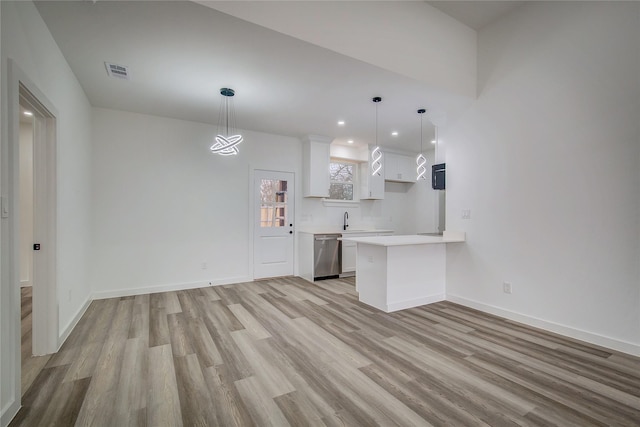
[286, 352]
[31, 366]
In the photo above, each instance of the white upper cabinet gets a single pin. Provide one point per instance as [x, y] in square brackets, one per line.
[315, 166]
[399, 168]
[371, 186]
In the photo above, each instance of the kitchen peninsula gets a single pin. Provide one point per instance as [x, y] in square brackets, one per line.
[398, 272]
[310, 251]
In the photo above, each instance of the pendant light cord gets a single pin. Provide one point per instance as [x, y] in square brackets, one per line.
[421, 138]
[226, 108]
[377, 124]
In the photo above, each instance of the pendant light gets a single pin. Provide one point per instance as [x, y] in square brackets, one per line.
[376, 154]
[226, 140]
[421, 161]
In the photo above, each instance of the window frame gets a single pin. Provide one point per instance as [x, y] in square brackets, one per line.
[355, 167]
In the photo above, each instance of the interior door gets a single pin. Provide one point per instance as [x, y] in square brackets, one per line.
[273, 241]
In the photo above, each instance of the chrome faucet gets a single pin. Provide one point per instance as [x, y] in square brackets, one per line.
[345, 222]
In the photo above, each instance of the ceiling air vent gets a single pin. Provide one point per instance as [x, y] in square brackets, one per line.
[118, 71]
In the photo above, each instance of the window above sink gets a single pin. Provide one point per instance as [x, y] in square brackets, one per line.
[342, 179]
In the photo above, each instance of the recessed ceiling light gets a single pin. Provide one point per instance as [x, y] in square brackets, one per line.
[394, 133]
[350, 141]
[28, 113]
[340, 122]
[433, 142]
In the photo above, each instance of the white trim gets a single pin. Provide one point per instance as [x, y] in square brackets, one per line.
[253, 227]
[72, 323]
[45, 137]
[355, 184]
[11, 366]
[9, 412]
[568, 331]
[45, 320]
[25, 283]
[251, 218]
[170, 287]
[341, 203]
[402, 305]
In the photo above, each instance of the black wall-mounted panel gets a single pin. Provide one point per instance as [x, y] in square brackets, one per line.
[437, 176]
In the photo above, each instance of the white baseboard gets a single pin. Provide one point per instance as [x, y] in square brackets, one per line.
[72, 323]
[167, 288]
[9, 411]
[590, 337]
[401, 305]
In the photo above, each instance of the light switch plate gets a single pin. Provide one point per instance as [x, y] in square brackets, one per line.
[5, 207]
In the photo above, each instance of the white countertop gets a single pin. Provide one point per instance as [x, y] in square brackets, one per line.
[447, 237]
[328, 230]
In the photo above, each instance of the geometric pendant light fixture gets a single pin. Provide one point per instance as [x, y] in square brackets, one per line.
[421, 161]
[376, 154]
[226, 140]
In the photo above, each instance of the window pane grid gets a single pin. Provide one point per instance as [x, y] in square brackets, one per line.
[273, 203]
[341, 180]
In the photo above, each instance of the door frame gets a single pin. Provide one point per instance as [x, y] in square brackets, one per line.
[252, 218]
[44, 285]
[45, 313]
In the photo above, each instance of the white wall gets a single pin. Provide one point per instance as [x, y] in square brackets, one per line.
[423, 200]
[548, 161]
[26, 39]
[26, 203]
[163, 204]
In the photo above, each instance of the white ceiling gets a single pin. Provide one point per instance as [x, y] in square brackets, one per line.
[181, 53]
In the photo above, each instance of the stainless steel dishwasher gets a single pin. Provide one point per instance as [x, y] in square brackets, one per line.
[327, 256]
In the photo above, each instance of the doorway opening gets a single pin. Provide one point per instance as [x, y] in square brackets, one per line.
[36, 234]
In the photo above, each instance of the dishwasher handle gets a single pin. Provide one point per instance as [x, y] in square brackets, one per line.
[323, 238]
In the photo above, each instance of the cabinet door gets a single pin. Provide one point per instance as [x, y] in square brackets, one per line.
[348, 257]
[315, 155]
[350, 251]
[372, 187]
[376, 186]
[406, 168]
[390, 166]
[400, 168]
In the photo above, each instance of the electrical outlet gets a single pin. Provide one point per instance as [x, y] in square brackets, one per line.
[204, 265]
[506, 287]
[466, 214]
[370, 259]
